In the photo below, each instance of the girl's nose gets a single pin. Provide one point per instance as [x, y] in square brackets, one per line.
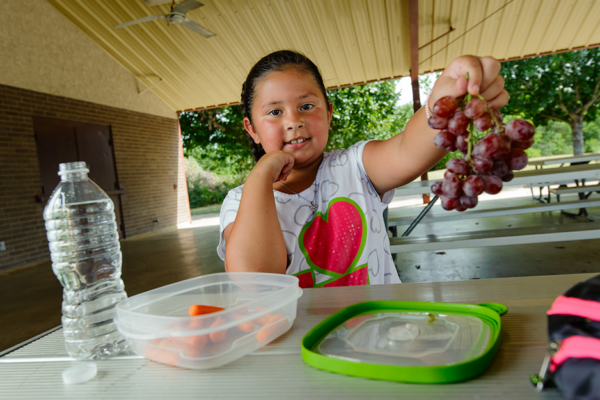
[294, 121]
[293, 126]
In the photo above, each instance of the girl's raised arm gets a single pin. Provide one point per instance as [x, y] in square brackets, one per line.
[399, 160]
[254, 241]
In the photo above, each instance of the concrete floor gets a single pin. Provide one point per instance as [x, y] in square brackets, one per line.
[30, 298]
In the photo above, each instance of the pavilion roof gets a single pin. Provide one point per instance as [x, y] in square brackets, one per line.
[352, 41]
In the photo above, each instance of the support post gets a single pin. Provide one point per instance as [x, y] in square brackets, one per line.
[413, 15]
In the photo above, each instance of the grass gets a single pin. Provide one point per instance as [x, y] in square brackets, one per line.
[212, 209]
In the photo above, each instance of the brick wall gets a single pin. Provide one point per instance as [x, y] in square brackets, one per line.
[147, 153]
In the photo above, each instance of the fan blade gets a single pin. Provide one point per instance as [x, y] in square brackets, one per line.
[188, 23]
[139, 21]
[187, 6]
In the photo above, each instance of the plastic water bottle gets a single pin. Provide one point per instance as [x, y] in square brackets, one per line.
[86, 258]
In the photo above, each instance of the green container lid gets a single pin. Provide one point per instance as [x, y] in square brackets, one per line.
[407, 341]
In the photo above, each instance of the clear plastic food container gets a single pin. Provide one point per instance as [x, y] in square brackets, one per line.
[258, 307]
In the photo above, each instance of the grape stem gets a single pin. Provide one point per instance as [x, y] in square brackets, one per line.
[496, 123]
[470, 143]
[470, 137]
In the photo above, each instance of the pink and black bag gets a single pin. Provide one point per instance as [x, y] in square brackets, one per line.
[573, 360]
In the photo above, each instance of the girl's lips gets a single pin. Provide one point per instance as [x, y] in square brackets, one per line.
[295, 146]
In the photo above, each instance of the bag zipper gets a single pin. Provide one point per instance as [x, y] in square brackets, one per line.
[540, 380]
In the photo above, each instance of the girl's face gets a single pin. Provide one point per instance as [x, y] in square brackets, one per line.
[290, 114]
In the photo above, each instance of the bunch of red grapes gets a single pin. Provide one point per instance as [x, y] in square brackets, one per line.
[487, 162]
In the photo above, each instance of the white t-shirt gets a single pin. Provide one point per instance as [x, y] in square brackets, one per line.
[343, 243]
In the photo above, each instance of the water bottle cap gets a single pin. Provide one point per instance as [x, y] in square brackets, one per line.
[72, 168]
[79, 373]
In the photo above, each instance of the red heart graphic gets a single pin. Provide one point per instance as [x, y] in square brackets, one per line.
[359, 277]
[306, 279]
[334, 243]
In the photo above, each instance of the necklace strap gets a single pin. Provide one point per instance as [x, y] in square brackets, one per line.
[285, 186]
[313, 207]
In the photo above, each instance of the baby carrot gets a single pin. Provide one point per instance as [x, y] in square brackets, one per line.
[177, 345]
[241, 311]
[195, 342]
[219, 336]
[162, 355]
[273, 325]
[200, 309]
[196, 324]
[246, 327]
[263, 320]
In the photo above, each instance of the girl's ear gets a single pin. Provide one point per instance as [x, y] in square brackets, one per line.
[250, 129]
[330, 109]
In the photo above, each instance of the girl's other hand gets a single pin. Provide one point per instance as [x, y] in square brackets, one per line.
[483, 79]
[276, 164]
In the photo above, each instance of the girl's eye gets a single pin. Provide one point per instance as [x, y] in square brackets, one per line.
[275, 112]
[306, 107]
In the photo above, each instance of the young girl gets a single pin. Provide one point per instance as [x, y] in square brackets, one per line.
[318, 215]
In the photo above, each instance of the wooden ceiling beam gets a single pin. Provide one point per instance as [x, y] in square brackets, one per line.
[548, 53]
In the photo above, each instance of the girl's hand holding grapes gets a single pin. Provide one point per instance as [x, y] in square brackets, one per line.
[483, 80]
[401, 159]
[472, 124]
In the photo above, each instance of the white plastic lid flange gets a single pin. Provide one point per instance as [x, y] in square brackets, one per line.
[79, 373]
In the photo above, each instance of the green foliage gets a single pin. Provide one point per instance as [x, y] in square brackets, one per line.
[365, 112]
[591, 134]
[426, 82]
[206, 188]
[555, 86]
[217, 139]
[551, 139]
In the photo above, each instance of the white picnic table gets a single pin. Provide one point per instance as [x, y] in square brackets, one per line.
[562, 160]
[277, 371]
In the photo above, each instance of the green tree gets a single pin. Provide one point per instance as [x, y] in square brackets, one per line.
[365, 112]
[217, 140]
[561, 87]
[591, 134]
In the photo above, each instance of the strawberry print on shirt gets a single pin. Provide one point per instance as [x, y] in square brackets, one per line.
[343, 243]
[333, 243]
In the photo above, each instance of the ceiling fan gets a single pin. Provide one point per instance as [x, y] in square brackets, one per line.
[175, 17]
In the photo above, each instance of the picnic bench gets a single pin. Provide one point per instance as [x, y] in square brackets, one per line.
[566, 232]
[562, 160]
[499, 237]
[540, 162]
[444, 216]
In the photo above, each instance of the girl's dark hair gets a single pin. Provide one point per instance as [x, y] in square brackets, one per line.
[277, 61]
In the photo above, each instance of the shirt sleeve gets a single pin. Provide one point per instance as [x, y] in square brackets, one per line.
[229, 210]
[358, 149]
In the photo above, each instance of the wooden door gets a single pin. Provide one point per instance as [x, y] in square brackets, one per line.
[60, 141]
